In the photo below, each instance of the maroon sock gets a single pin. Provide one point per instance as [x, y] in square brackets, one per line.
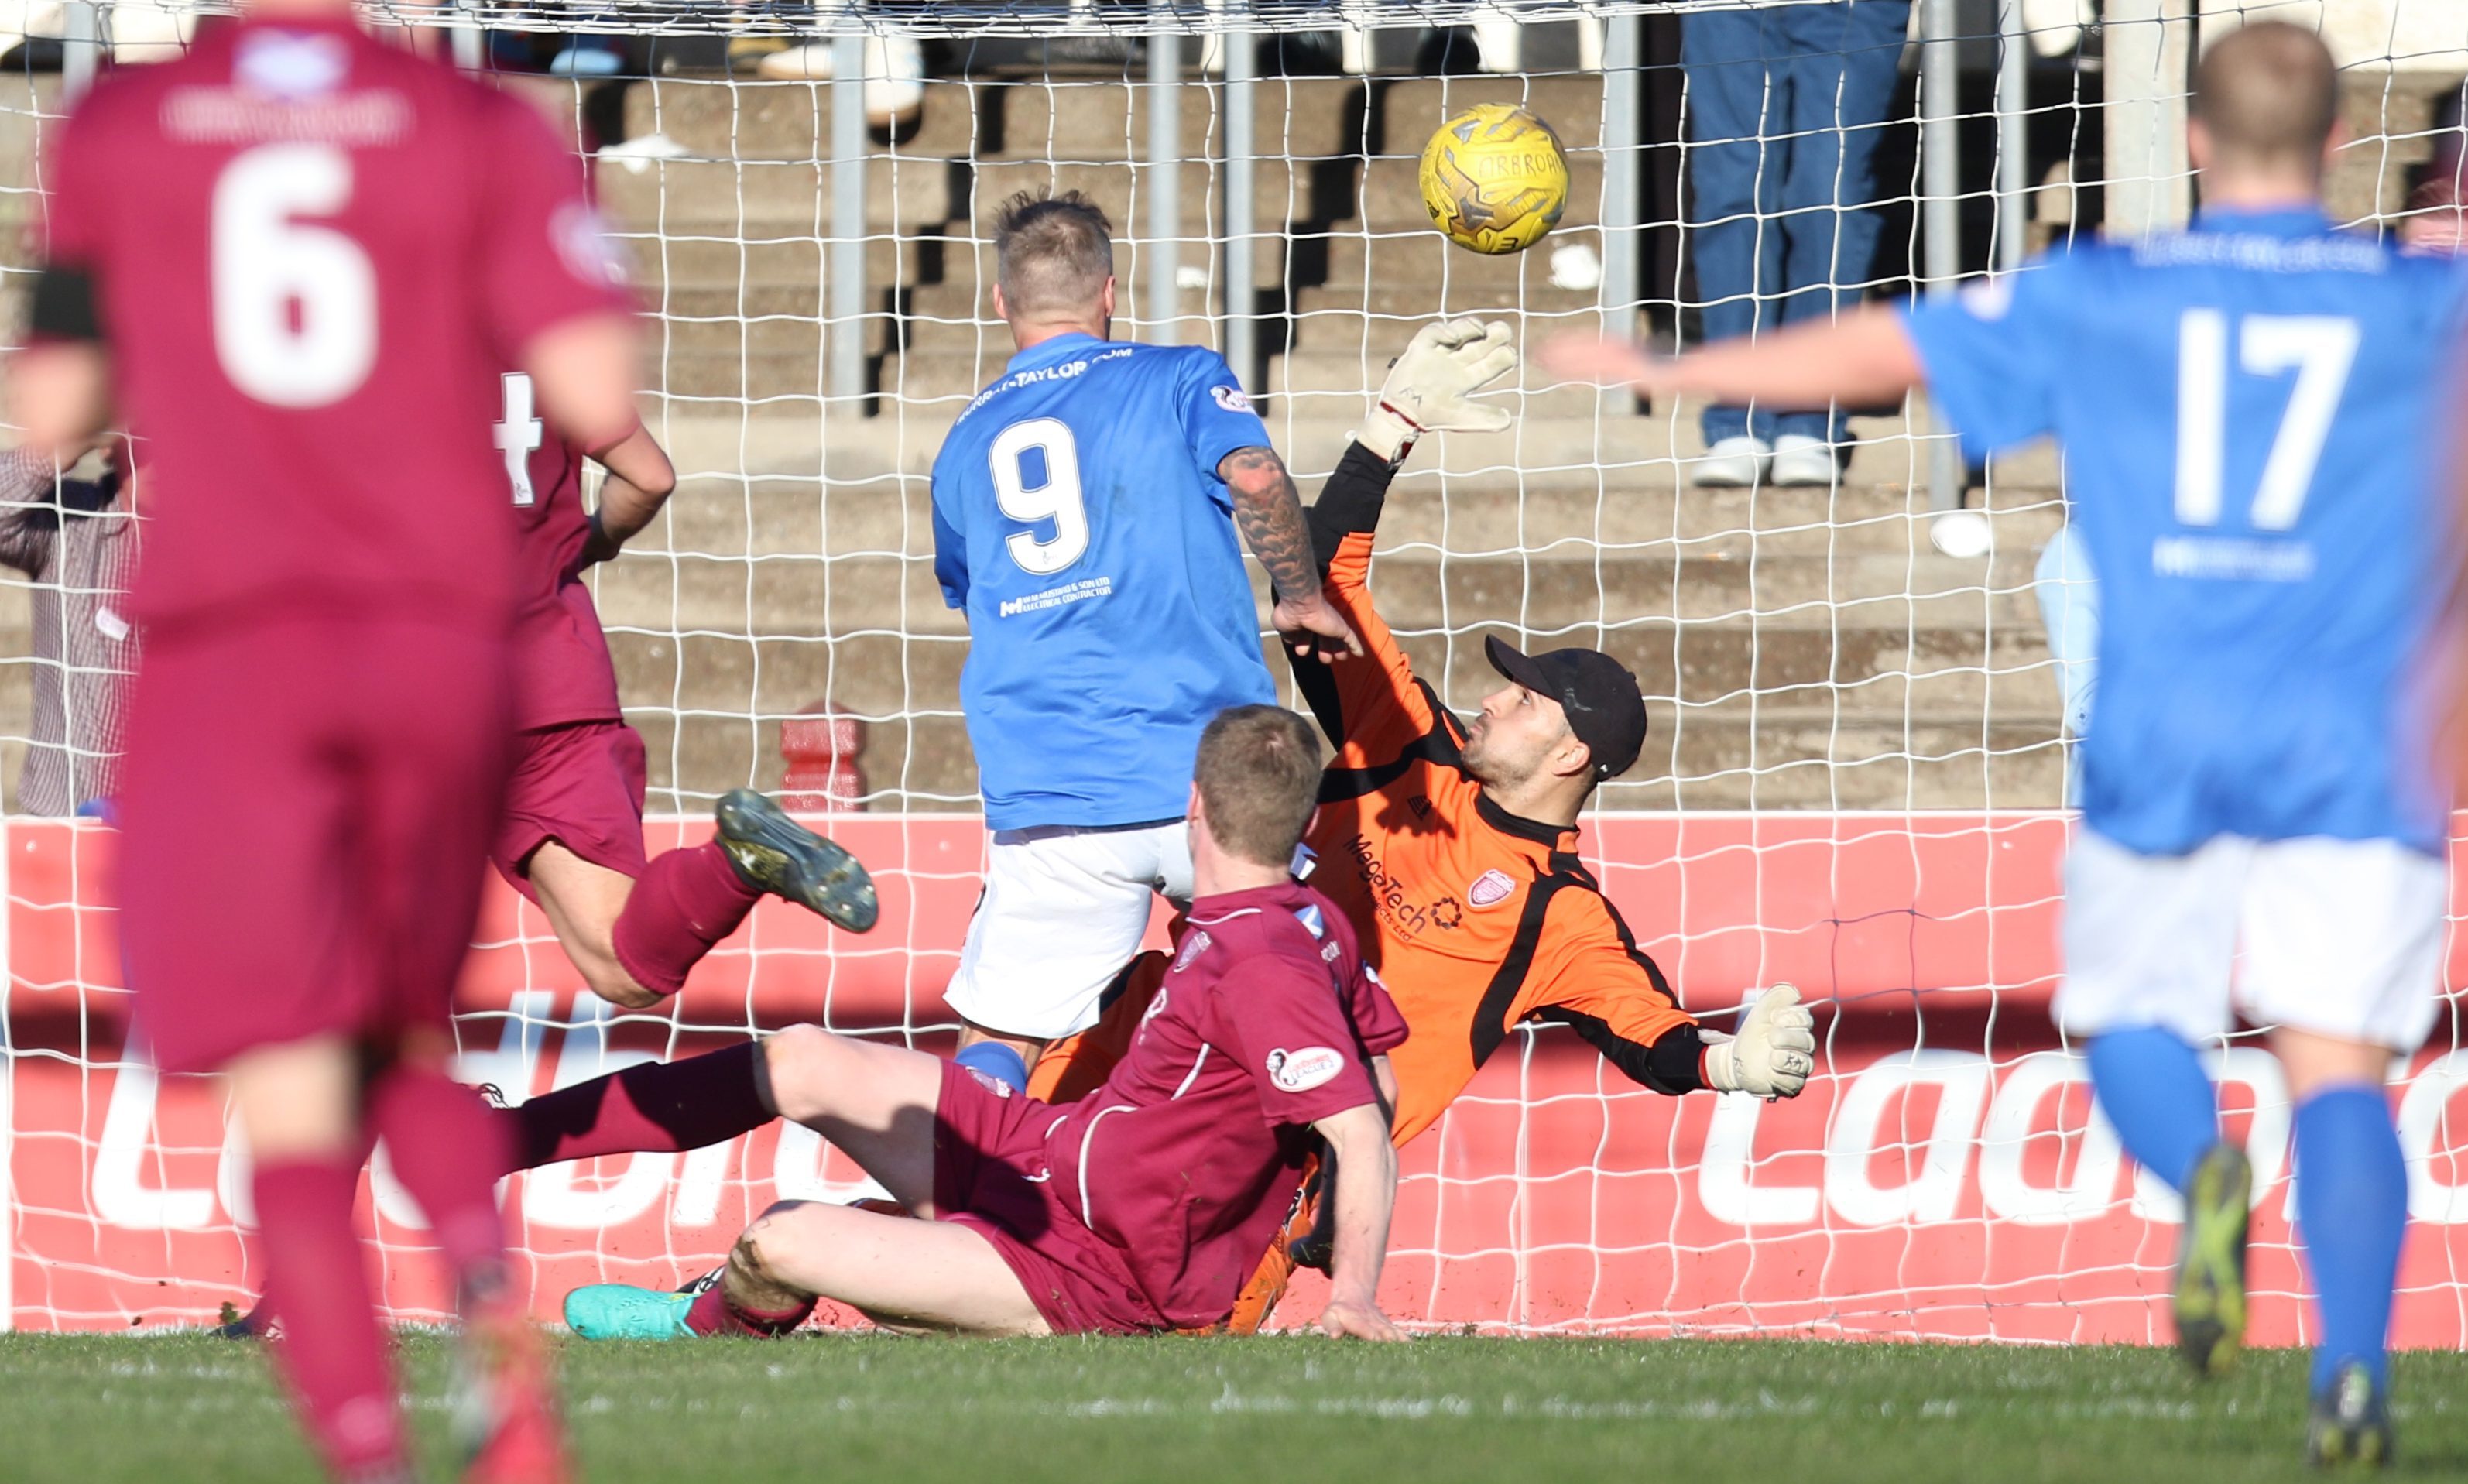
[332, 1353]
[659, 1106]
[684, 902]
[714, 1313]
[447, 1149]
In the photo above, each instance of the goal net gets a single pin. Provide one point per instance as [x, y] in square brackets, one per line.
[1857, 770]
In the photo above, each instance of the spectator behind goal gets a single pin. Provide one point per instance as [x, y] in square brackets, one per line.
[1786, 103]
[76, 543]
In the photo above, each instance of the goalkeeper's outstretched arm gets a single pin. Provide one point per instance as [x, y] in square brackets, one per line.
[1371, 710]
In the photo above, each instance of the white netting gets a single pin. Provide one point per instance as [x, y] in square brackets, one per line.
[1856, 755]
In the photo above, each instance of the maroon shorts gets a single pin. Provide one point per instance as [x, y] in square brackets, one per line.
[990, 1175]
[305, 804]
[582, 786]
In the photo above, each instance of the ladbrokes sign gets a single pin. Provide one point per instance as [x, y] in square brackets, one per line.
[1942, 1176]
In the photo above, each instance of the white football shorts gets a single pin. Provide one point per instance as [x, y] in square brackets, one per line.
[2343, 938]
[1063, 912]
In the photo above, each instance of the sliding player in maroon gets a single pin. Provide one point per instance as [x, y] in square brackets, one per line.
[571, 836]
[1143, 1206]
[278, 253]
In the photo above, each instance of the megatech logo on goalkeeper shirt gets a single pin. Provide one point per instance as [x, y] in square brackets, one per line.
[1389, 897]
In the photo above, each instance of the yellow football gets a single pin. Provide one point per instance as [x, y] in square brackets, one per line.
[1494, 178]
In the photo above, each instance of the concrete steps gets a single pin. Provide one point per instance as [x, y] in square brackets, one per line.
[1799, 648]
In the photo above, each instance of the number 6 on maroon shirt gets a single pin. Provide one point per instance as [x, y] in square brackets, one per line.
[309, 256]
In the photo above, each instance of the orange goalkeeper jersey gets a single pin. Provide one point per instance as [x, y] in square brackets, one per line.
[1475, 919]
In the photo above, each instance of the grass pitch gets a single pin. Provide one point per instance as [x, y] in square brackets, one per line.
[100, 1409]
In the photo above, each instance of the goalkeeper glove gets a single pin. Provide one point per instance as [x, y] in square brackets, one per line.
[1429, 386]
[1773, 1053]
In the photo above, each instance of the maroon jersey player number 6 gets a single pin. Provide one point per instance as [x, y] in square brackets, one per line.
[298, 261]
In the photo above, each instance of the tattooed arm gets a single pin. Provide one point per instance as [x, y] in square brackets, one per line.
[1269, 514]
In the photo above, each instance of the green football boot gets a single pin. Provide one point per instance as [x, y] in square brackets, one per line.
[773, 853]
[2210, 1261]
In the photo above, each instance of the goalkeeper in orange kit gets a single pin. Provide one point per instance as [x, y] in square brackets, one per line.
[1451, 845]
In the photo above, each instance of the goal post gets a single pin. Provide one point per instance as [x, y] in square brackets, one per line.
[1855, 775]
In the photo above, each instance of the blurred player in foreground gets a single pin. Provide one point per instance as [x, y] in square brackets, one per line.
[571, 837]
[1452, 848]
[1085, 507]
[1139, 1207]
[2253, 412]
[273, 251]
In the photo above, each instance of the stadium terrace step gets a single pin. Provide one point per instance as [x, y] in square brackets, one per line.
[1571, 103]
[1784, 759]
[1480, 503]
[1410, 252]
[1072, 118]
[1377, 310]
[914, 196]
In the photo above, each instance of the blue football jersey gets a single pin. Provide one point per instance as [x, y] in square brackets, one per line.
[2253, 415]
[1079, 521]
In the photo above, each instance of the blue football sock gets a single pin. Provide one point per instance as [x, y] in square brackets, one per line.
[2151, 1086]
[992, 1059]
[2351, 1209]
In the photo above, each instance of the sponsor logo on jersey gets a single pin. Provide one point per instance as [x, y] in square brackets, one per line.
[1192, 947]
[1156, 1006]
[1489, 889]
[1388, 895]
[1230, 397]
[1313, 922]
[1062, 597]
[291, 63]
[1300, 1071]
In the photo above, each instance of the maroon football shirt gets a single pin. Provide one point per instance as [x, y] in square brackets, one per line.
[1187, 1160]
[562, 672]
[312, 255]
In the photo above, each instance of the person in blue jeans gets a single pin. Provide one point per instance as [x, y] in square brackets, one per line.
[1786, 103]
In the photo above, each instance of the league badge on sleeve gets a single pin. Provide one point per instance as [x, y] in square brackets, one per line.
[1230, 397]
[1300, 1071]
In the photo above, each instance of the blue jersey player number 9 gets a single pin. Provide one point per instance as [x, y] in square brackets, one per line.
[1056, 500]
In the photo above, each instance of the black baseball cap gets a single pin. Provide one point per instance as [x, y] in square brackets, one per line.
[1606, 706]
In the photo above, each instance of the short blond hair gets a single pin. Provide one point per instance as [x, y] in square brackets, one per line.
[1052, 253]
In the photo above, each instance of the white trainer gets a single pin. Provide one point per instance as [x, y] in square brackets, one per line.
[1801, 459]
[895, 75]
[1732, 464]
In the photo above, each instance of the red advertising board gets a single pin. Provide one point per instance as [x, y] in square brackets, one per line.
[1942, 1176]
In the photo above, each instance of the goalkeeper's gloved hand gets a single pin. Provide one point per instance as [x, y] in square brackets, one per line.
[1429, 387]
[1773, 1054]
